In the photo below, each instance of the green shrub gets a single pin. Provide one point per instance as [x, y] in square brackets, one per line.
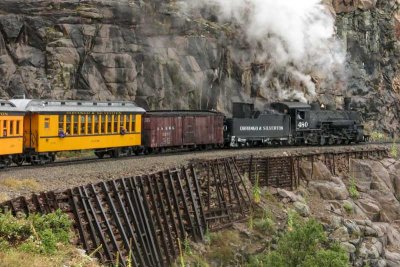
[377, 136]
[348, 207]
[36, 233]
[394, 153]
[354, 194]
[304, 246]
[265, 224]
[257, 190]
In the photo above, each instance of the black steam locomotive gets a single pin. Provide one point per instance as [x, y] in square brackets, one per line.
[293, 123]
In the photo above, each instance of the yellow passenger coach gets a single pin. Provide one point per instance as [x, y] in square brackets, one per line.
[11, 133]
[51, 126]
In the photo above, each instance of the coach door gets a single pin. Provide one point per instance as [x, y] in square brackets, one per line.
[188, 130]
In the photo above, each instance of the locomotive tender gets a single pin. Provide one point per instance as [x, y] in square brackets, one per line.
[34, 131]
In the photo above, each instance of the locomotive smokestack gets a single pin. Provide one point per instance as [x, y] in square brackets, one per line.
[347, 103]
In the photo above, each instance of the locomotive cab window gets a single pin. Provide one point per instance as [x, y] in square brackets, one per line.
[301, 115]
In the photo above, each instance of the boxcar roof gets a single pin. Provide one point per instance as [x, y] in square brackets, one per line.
[57, 106]
[7, 106]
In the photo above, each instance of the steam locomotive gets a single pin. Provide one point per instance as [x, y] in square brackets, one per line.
[293, 123]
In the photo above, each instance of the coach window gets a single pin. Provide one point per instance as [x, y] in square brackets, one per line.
[83, 124]
[109, 123]
[61, 122]
[76, 124]
[17, 127]
[46, 123]
[4, 128]
[68, 125]
[103, 124]
[133, 128]
[90, 120]
[128, 123]
[11, 128]
[96, 124]
[115, 129]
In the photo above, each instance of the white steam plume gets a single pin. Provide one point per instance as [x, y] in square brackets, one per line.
[295, 38]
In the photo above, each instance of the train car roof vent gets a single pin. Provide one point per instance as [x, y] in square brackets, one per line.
[94, 103]
[62, 102]
[79, 103]
[123, 104]
[109, 103]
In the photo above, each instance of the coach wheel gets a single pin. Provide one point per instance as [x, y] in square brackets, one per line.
[115, 153]
[19, 160]
[331, 141]
[100, 155]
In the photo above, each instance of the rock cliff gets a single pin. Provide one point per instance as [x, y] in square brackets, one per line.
[152, 52]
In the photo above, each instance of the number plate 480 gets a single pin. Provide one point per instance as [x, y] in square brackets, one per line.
[302, 124]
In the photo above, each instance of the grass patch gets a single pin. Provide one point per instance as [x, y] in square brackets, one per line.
[265, 224]
[354, 194]
[348, 208]
[221, 244]
[4, 197]
[377, 136]
[257, 190]
[394, 150]
[14, 183]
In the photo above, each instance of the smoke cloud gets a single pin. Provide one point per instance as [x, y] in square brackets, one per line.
[294, 38]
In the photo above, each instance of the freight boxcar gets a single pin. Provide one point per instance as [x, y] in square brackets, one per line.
[182, 129]
[11, 133]
[51, 126]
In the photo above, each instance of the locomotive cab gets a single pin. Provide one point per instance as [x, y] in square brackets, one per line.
[300, 117]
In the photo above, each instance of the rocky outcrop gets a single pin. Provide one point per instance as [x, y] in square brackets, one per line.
[152, 52]
[370, 31]
[366, 226]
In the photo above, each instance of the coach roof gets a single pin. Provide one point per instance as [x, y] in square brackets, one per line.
[57, 106]
[7, 106]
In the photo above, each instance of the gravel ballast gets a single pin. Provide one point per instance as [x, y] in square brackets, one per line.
[24, 181]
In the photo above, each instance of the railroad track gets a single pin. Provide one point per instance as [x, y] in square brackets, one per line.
[86, 160]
